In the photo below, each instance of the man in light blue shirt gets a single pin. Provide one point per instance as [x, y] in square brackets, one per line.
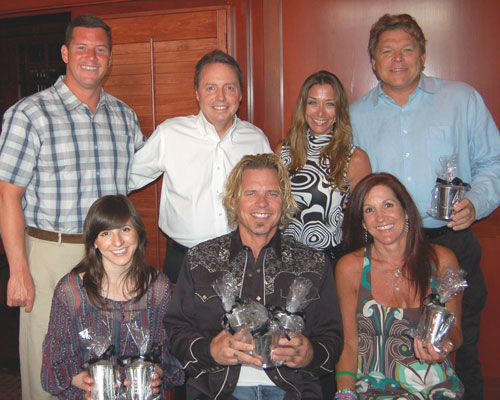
[406, 124]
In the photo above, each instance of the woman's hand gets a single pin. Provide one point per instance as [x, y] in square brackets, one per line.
[155, 382]
[83, 381]
[157, 377]
[427, 353]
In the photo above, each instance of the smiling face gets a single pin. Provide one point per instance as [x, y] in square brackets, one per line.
[383, 215]
[87, 59]
[219, 95]
[117, 246]
[398, 62]
[259, 206]
[320, 109]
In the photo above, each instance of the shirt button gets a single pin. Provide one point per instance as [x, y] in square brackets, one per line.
[220, 214]
[98, 173]
[250, 275]
[258, 298]
[409, 178]
[204, 297]
[258, 270]
[405, 131]
[407, 154]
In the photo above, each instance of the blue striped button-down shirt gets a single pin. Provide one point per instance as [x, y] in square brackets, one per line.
[65, 156]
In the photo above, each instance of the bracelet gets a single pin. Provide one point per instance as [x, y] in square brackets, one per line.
[348, 373]
[346, 393]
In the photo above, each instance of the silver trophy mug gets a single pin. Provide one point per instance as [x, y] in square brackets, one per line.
[264, 346]
[103, 375]
[140, 375]
[444, 197]
[434, 325]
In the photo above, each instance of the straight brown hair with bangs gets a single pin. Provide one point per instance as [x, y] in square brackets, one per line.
[106, 213]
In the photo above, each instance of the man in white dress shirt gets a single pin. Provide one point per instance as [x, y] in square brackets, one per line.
[195, 153]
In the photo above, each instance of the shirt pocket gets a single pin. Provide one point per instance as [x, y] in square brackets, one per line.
[205, 294]
[440, 143]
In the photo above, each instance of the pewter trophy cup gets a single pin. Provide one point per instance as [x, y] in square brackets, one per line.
[139, 368]
[435, 324]
[436, 321]
[265, 341]
[140, 375]
[444, 196]
[448, 189]
[101, 368]
[103, 374]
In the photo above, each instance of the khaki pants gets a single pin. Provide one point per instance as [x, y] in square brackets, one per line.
[48, 262]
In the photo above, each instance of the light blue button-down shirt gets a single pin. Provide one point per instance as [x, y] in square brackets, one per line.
[441, 118]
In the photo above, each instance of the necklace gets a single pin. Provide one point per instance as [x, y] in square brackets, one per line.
[396, 272]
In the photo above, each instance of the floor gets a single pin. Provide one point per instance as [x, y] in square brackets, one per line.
[10, 381]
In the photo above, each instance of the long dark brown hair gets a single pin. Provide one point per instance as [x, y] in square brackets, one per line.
[419, 253]
[112, 212]
[337, 151]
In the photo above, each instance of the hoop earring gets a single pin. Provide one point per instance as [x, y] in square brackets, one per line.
[407, 224]
[366, 236]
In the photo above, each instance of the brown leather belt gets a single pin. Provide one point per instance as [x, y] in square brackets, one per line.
[54, 236]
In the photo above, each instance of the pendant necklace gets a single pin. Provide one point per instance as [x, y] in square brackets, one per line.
[397, 272]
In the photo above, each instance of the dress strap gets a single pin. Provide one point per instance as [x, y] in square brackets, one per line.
[367, 265]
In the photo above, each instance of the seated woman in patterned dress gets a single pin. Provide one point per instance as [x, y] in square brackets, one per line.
[322, 161]
[381, 285]
[112, 289]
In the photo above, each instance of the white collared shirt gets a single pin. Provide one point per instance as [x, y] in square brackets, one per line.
[195, 163]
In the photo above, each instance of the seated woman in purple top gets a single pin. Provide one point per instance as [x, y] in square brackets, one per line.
[112, 289]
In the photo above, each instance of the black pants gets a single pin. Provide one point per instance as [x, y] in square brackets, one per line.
[173, 260]
[328, 382]
[466, 247]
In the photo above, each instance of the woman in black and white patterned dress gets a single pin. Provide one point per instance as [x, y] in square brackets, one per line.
[323, 163]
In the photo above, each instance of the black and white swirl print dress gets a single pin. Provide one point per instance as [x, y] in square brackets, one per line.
[318, 222]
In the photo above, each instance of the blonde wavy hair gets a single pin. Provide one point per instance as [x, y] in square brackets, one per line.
[235, 178]
[337, 151]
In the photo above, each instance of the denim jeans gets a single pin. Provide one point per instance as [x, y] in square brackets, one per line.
[259, 393]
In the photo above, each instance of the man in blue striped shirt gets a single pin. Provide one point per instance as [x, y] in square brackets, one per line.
[60, 149]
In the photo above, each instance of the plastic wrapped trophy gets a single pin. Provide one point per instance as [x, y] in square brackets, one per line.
[292, 319]
[448, 189]
[101, 367]
[436, 321]
[139, 368]
[248, 319]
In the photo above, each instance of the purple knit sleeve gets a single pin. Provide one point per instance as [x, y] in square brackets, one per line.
[61, 356]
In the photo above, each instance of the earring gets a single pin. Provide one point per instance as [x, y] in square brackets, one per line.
[366, 236]
[407, 225]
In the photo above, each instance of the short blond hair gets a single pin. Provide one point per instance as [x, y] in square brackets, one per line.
[259, 161]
